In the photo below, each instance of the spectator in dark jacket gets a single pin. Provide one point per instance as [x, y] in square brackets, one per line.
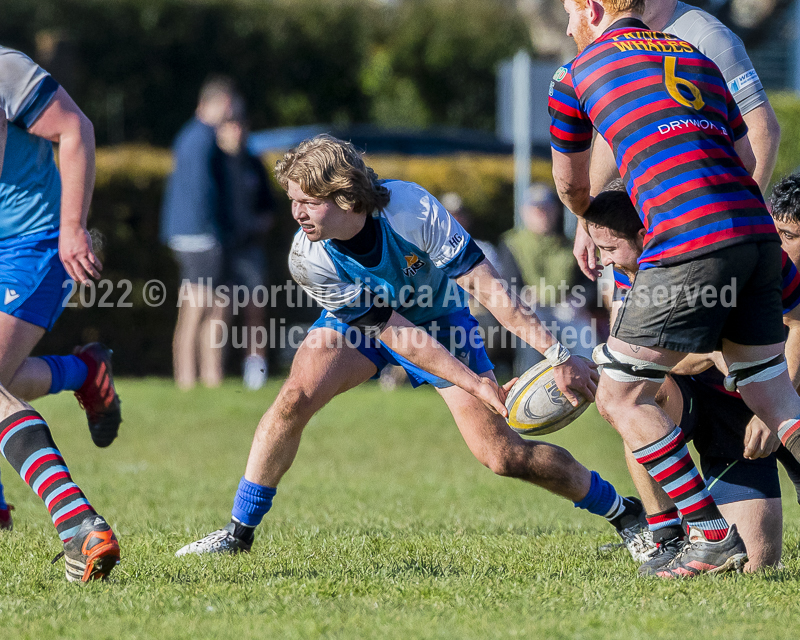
[194, 225]
[250, 205]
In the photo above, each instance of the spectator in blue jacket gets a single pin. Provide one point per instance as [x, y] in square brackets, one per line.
[194, 225]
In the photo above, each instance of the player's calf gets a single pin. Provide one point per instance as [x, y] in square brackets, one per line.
[26, 443]
[760, 523]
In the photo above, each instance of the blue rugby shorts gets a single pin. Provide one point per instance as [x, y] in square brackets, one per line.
[33, 283]
[457, 331]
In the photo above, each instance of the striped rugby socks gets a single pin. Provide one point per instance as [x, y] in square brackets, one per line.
[26, 443]
[789, 434]
[669, 463]
[665, 525]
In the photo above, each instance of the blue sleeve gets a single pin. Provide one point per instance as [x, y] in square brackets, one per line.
[43, 95]
[464, 261]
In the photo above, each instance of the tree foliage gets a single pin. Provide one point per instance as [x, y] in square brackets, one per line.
[139, 63]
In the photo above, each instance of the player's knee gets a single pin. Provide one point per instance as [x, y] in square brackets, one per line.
[503, 465]
[10, 404]
[295, 402]
[503, 461]
[608, 403]
[516, 462]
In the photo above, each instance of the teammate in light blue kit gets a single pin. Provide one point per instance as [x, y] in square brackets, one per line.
[44, 243]
[392, 267]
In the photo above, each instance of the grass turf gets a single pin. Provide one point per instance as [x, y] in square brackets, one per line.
[386, 527]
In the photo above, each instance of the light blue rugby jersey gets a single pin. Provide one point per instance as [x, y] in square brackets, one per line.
[30, 185]
[714, 40]
[423, 249]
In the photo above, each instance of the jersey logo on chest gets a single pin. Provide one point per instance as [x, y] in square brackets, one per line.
[414, 265]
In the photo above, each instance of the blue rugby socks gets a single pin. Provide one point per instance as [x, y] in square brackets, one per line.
[250, 505]
[3, 505]
[68, 372]
[603, 500]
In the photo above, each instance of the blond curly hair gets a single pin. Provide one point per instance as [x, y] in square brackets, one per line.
[326, 167]
[620, 6]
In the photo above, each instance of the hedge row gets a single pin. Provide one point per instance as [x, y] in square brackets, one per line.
[787, 108]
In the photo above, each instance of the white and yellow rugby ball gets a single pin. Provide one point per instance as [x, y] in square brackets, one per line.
[536, 406]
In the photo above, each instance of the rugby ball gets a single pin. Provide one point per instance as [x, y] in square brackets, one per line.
[536, 406]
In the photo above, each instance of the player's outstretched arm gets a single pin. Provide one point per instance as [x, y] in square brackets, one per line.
[602, 170]
[764, 133]
[745, 152]
[417, 346]
[574, 377]
[571, 175]
[63, 122]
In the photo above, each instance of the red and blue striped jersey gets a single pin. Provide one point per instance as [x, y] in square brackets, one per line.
[622, 284]
[791, 283]
[667, 113]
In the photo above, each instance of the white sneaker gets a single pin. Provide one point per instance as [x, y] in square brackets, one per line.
[639, 542]
[255, 372]
[635, 533]
[219, 541]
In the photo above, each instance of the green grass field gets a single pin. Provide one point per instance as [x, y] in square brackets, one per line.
[386, 527]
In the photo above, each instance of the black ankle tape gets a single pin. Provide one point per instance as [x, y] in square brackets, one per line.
[668, 533]
[243, 532]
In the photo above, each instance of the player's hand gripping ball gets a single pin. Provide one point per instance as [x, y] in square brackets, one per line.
[536, 406]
